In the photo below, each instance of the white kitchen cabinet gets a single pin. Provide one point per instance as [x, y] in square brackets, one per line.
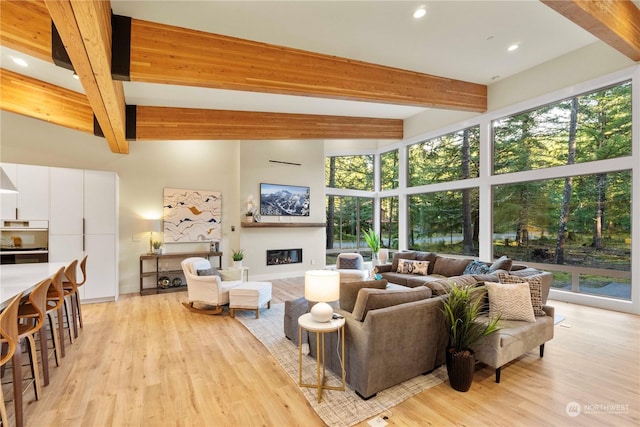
[83, 221]
[32, 200]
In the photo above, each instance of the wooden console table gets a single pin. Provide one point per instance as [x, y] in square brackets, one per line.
[164, 266]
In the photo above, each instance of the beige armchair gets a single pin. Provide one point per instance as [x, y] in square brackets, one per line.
[209, 292]
[350, 265]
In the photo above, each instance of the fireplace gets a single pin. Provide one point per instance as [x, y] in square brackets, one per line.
[284, 256]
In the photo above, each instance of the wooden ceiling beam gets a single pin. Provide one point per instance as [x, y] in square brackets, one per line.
[85, 30]
[165, 123]
[41, 100]
[25, 26]
[615, 22]
[167, 54]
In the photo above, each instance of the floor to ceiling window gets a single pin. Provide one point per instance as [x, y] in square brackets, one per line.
[556, 193]
[579, 221]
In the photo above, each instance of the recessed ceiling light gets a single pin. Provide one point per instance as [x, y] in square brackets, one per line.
[513, 47]
[19, 61]
[75, 76]
[420, 12]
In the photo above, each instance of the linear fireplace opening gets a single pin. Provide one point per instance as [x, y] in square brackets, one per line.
[284, 256]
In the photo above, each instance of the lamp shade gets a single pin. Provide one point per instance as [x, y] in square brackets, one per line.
[6, 186]
[321, 286]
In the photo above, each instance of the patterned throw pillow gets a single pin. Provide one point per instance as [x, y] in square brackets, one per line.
[350, 263]
[510, 301]
[535, 288]
[408, 266]
[476, 267]
[208, 272]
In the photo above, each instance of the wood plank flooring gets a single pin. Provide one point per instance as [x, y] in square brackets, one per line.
[147, 361]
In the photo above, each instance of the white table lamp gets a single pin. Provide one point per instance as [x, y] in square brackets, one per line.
[321, 286]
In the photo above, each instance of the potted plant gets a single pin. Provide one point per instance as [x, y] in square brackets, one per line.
[462, 306]
[373, 241]
[248, 217]
[157, 244]
[237, 256]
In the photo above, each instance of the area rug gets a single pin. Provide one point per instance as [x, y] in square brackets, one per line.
[337, 408]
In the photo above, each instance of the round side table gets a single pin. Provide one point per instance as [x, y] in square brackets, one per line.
[320, 329]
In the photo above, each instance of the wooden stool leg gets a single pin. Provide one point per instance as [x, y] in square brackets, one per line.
[34, 366]
[54, 338]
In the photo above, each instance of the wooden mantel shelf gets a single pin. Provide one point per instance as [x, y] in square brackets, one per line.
[282, 224]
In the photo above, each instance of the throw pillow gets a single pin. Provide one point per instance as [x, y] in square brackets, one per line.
[408, 266]
[502, 263]
[372, 299]
[232, 274]
[208, 272]
[476, 267]
[511, 301]
[401, 255]
[350, 263]
[535, 288]
[349, 291]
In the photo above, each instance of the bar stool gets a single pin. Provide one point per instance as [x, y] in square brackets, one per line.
[9, 339]
[70, 286]
[34, 324]
[83, 269]
[55, 302]
[27, 310]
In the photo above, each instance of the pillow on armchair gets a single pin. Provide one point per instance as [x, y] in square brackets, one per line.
[349, 261]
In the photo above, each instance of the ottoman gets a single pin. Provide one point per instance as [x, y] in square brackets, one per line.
[249, 296]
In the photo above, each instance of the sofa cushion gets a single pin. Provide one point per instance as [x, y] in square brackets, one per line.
[443, 286]
[231, 274]
[510, 301]
[535, 288]
[401, 255]
[476, 267]
[502, 263]
[372, 299]
[450, 267]
[410, 266]
[349, 291]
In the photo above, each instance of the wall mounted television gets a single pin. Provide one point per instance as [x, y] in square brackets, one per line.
[284, 200]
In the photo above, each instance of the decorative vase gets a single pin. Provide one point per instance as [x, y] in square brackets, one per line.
[248, 218]
[383, 256]
[374, 259]
[237, 264]
[460, 368]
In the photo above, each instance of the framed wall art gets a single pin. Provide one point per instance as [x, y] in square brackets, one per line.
[192, 215]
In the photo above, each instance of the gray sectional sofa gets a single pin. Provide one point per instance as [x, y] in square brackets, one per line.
[395, 330]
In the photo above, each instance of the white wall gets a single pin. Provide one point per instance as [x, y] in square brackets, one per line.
[256, 168]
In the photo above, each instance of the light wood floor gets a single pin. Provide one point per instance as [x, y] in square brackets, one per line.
[147, 361]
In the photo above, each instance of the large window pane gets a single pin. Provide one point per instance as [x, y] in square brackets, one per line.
[582, 221]
[389, 170]
[594, 126]
[349, 172]
[346, 218]
[389, 222]
[446, 158]
[444, 222]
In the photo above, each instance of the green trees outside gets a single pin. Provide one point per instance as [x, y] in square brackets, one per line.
[574, 218]
[590, 213]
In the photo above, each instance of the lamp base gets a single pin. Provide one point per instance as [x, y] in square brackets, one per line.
[321, 312]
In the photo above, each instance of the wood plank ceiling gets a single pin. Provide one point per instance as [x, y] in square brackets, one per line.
[165, 54]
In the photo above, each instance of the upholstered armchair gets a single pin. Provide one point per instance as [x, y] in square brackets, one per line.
[350, 265]
[208, 290]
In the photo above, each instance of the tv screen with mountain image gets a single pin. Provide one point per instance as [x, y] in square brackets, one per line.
[284, 200]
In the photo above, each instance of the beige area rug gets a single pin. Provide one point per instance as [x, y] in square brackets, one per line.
[337, 408]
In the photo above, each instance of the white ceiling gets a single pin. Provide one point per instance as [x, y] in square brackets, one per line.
[465, 40]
